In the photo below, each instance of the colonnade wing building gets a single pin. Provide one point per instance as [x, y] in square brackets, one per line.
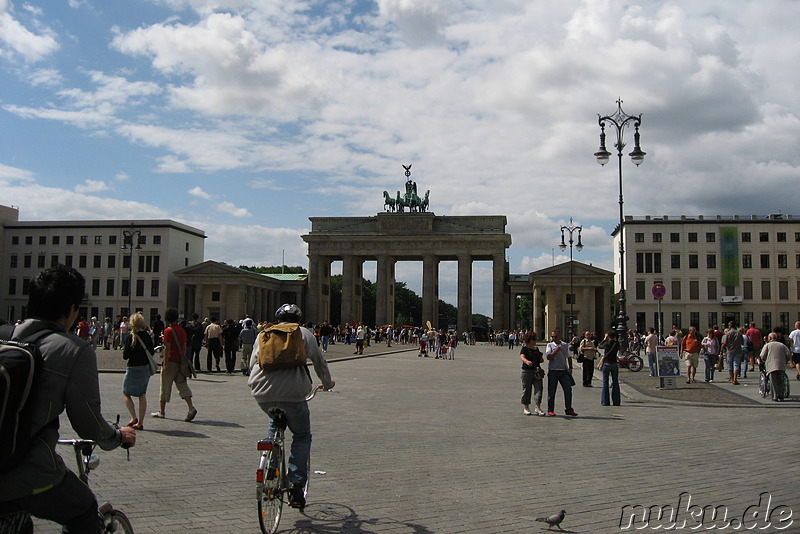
[388, 238]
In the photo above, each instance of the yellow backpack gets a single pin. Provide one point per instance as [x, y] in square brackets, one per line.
[281, 346]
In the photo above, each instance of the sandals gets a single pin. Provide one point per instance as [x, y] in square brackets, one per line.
[133, 422]
[137, 426]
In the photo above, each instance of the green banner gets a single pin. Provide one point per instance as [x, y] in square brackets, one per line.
[729, 250]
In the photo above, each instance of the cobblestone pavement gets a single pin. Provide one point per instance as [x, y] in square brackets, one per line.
[418, 445]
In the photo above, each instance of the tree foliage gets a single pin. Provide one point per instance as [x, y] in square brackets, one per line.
[275, 269]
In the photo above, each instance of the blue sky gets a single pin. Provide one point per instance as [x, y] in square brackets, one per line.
[245, 118]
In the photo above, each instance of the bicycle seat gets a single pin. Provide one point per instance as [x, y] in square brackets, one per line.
[278, 417]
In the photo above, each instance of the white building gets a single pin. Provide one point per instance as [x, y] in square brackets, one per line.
[116, 273]
[716, 269]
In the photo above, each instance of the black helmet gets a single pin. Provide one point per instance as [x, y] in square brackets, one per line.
[289, 313]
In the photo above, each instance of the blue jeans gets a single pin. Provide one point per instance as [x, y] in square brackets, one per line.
[554, 378]
[734, 361]
[651, 361]
[324, 340]
[711, 361]
[611, 369]
[298, 420]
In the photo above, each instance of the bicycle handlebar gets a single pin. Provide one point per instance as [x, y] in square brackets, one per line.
[314, 391]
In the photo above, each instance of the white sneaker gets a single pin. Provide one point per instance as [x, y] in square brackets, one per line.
[537, 411]
[526, 411]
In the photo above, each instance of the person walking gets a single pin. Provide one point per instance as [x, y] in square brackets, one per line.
[732, 343]
[690, 351]
[230, 341]
[247, 337]
[794, 335]
[775, 356]
[650, 348]
[194, 343]
[559, 371]
[213, 337]
[711, 354]
[287, 389]
[609, 366]
[138, 350]
[587, 351]
[173, 370]
[532, 374]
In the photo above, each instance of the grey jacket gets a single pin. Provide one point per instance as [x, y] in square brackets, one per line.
[69, 381]
[775, 355]
[291, 385]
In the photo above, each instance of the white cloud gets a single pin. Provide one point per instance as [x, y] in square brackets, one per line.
[198, 192]
[92, 186]
[18, 39]
[231, 209]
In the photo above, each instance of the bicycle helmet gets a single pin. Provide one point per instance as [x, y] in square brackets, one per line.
[289, 313]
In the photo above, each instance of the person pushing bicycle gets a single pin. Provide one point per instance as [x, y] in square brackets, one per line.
[40, 482]
[287, 389]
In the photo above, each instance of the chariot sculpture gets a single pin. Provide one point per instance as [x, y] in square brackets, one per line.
[410, 199]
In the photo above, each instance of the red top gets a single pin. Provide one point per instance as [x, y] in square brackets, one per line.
[754, 334]
[177, 347]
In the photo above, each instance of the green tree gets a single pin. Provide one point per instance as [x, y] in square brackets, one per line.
[524, 305]
[275, 269]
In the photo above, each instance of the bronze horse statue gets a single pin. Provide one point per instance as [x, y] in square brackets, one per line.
[388, 201]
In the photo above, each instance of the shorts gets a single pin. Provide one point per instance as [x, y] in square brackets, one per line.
[692, 358]
[171, 373]
[136, 380]
[796, 358]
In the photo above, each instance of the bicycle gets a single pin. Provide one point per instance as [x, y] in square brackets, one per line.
[111, 519]
[631, 362]
[272, 486]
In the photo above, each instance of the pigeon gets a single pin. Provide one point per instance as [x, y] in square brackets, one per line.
[553, 520]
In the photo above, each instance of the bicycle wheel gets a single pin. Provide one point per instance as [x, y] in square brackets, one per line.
[115, 521]
[763, 385]
[636, 363]
[270, 491]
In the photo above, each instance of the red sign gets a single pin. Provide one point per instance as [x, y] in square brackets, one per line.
[659, 291]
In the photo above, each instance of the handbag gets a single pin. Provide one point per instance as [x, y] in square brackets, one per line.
[538, 373]
[150, 361]
[580, 358]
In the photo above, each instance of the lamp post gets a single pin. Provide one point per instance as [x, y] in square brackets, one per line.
[571, 229]
[129, 244]
[619, 120]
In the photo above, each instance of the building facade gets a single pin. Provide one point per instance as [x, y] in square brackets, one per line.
[715, 269]
[120, 275]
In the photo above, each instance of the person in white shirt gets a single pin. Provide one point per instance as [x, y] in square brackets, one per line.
[559, 371]
[795, 337]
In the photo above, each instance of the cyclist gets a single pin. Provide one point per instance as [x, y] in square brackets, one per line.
[41, 484]
[287, 389]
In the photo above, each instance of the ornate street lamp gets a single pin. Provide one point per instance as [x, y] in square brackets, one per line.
[571, 230]
[619, 120]
[129, 244]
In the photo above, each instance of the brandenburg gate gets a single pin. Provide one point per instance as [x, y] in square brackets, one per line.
[405, 236]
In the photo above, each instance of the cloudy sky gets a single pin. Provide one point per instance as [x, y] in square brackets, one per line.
[246, 117]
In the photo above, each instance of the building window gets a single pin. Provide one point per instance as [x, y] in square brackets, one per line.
[68, 260]
[748, 317]
[185, 262]
[156, 263]
[153, 288]
[112, 240]
[82, 259]
[156, 239]
[84, 240]
[766, 290]
[747, 261]
[40, 261]
[215, 296]
[126, 262]
[657, 237]
[26, 262]
[730, 291]
[13, 262]
[15, 240]
[29, 240]
[98, 240]
[95, 287]
[781, 237]
[142, 239]
[638, 237]
[747, 290]
[139, 288]
[674, 237]
[711, 261]
[763, 237]
[676, 319]
[110, 287]
[70, 240]
[694, 290]
[675, 261]
[26, 285]
[711, 237]
[745, 237]
[12, 286]
[97, 261]
[676, 290]
[712, 290]
[692, 237]
[640, 290]
[53, 260]
[641, 321]
[766, 321]
[42, 239]
[56, 240]
[570, 298]
[783, 289]
[783, 261]
[693, 261]
[765, 261]
[712, 319]
[785, 321]
[694, 319]
[112, 261]
[126, 287]
[797, 237]
[648, 262]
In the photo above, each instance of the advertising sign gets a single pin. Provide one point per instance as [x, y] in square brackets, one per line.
[668, 361]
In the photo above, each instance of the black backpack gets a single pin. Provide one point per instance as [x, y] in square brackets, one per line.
[21, 363]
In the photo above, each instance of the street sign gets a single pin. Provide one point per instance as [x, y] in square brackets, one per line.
[659, 291]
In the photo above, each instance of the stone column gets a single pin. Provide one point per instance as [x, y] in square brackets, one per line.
[384, 297]
[258, 303]
[554, 307]
[464, 293]
[313, 306]
[352, 274]
[499, 292]
[586, 313]
[606, 312]
[537, 318]
[430, 290]
[182, 300]
[200, 301]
